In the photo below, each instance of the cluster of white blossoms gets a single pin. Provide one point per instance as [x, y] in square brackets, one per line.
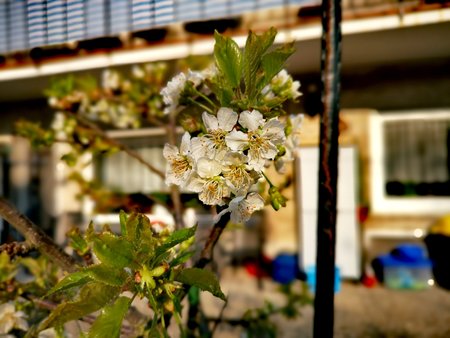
[225, 161]
[224, 164]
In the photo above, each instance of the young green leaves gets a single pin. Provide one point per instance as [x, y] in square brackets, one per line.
[139, 260]
[243, 74]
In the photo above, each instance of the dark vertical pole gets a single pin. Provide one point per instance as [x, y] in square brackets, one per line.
[328, 170]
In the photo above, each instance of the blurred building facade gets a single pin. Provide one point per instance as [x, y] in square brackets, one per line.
[395, 95]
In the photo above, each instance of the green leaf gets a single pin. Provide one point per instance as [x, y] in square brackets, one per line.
[228, 59]
[203, 279]
[77, 241]
[113, 251]
[274, 61]
[70, 159]
[99, 272]
[255, 47]
[223, 94]
[181, 258]
[93, 296]
[70, 281]
[175, 238]
[134, 226]
[109, 322]
[107, 274]
[123, 217]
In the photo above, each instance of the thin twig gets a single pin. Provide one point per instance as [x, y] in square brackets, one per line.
[36, 237]
[219, 319]
[132, 153]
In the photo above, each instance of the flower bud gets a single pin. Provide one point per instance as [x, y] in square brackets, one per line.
[277, 200]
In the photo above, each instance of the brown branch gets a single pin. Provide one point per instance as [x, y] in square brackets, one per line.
[206, 255]
[113, 142]
[36, 237]
[16, 248]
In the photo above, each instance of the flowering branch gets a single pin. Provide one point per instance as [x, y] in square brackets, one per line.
[36, 237]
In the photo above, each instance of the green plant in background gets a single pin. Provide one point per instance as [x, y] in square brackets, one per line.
[236, 126]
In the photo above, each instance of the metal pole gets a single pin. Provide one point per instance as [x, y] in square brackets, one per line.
[328, 170]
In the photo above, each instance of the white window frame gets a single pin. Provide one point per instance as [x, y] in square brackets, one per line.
[381, 203]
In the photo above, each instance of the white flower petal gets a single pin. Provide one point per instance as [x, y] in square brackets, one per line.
[251, 120]
[235, 158]
[227, 118]
[236, 140]
[199, 147]
[195, 184]
[169, 151]
[210, 121]
[241, 209]
[185, 143]
[208, 168]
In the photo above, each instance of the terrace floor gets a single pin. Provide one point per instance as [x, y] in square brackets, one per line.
[359, 311]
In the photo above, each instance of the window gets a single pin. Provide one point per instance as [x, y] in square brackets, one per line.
[122, 173]
[410, 162]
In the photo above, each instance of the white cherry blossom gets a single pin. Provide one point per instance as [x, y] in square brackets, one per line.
[242, 207]
[11, 319]
[171, 93]
[261, 138]
[218, 128]
[212, 187]
[237, 176]
[181, 162]
[291, 144]
[110, 80]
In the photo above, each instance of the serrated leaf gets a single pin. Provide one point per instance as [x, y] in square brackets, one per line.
[205, 280]
[109, 322]
[255, 47]
[175, 238]
[70, 281]
[228, 59]
[93, 296]
[107, 274]
[113, 251]
[274, 61]
[99, 273]
[134, 226]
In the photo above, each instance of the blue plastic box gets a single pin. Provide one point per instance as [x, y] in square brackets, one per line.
[406, 267]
